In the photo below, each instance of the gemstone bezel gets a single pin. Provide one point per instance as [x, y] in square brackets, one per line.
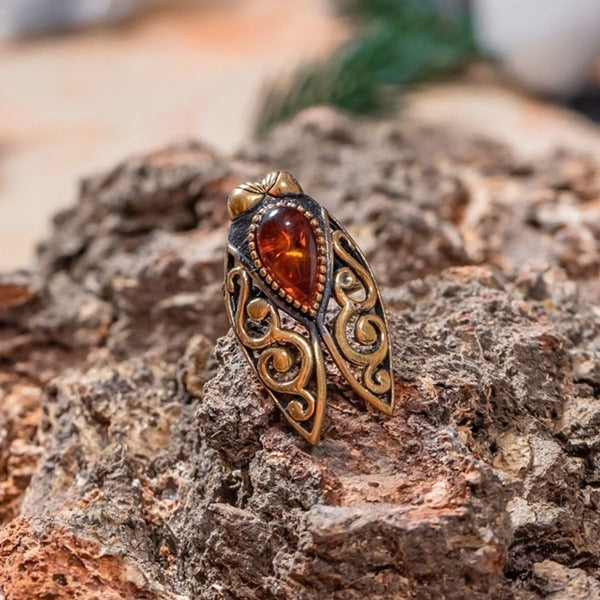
[319, 236]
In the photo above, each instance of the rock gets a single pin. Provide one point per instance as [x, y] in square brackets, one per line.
[140, 458]
[558, 582]
[42, 559]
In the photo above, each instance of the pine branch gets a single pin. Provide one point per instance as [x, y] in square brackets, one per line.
[401, 42]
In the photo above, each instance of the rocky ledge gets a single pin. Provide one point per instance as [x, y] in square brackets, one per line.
[140, 459]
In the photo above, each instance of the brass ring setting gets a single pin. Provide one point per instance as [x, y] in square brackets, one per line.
[297, 284]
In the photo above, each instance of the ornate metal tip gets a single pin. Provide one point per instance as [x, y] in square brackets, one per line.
[281, 183]
[246, 195]
[241, 199]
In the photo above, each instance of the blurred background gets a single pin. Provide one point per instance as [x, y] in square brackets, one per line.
[84, 83]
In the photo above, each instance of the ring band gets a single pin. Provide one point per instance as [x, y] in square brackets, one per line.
[296, 283]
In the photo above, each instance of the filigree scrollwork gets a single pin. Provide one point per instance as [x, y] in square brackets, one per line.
[360, 334]
[297, 286]
[285, 361]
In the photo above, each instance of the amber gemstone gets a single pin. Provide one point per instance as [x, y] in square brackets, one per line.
[288, 250]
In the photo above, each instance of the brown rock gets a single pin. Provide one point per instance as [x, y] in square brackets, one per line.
[41, 559]
[137, 461]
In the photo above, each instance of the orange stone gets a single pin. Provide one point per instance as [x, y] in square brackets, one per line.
[288, 250]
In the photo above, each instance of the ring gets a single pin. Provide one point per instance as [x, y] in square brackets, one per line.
[297, 284]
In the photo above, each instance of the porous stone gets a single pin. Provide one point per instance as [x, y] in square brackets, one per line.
[140, 458]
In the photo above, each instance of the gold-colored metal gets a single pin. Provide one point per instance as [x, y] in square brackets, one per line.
[246, 195]
[287, 354]
[281, 349]
[370, 330]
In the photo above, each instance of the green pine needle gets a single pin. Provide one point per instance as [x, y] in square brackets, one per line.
[401, 42]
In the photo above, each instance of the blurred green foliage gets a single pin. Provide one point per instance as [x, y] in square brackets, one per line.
[398, 43]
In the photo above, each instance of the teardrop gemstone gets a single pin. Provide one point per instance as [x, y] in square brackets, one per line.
[287, 247]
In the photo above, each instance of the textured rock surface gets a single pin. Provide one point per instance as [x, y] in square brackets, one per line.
[140, 459]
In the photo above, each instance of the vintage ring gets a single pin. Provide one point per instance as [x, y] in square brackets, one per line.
[296, 283]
